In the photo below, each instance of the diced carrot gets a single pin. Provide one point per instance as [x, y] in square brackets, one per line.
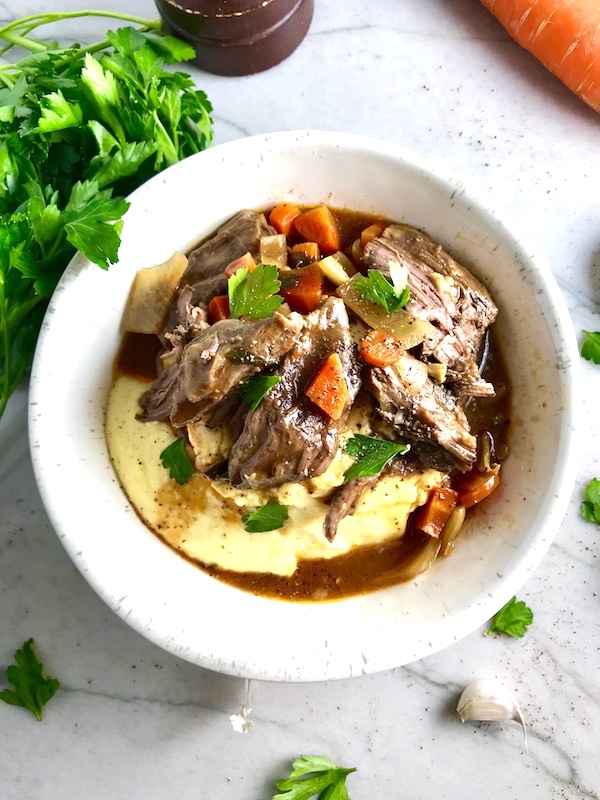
[302, 288]
[380, 349]
[432, 516]
[372, 232]
[247, 261]
[218, 308]
[318, 225]
[304, 253]
[564, 36]
[282, 217]
[479, 486]
[328, 389]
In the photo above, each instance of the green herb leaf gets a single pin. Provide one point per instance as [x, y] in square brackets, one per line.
[590, 508]
[378, 289]
[314, 776]
[268, 518]
[58, 114]
[253, 391]
[513, 619]
[176, 460]
[32, 688]
[254, 294]
[372, 453]
[590, 349]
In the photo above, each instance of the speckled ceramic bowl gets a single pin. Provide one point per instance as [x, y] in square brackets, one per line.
[202, 620]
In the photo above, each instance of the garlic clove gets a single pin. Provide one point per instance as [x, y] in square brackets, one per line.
[489, 700]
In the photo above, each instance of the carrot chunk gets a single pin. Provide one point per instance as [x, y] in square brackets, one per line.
[328, 389]
[372, 232]
[477, 486]
[319, 225]
[432, 516]
[247, 261]
[218, 308]
[282, 217]
[302, 288]
[380, 349]
[304, 253]
[564, 36]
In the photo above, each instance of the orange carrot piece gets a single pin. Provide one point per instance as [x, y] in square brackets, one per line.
[380, 349]
[564, 36]
[282, 217]
[247, 261]
[374, 230]
[302, 288]
[218, 308]
[328, 389]
[318, 225]
[481, 487]
[304, 253]
[432, 516]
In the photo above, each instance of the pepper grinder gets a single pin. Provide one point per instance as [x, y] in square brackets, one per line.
[238, 37]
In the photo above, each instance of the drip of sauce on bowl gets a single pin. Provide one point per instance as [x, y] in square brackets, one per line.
[238, 37]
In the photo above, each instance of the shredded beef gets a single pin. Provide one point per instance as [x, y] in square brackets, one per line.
[287, 438]
[445, 294]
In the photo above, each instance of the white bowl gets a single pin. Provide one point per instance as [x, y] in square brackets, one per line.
[178, 606]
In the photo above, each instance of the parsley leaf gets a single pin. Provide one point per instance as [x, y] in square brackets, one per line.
[254, 294]
[513, 619]
[253, 391]
[590, 349]
[372, 454]
[590, 508]
[176, 460]
[313, 776]
[32, 688]
[268, 518]
[378, 289]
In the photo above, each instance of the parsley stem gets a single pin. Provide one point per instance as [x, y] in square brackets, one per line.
[47, 18]
[23, 41]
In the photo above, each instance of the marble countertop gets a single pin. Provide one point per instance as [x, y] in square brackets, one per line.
[131, 721]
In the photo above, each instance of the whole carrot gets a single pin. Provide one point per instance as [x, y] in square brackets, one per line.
[563, 34]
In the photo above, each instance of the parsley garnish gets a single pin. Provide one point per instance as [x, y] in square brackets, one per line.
[590, 349]
[372, 454]
[513, 619]
[80, 128]
[378, 289]
[253, 391]
[32, 688]
[590, 508]
[176, 460]
[314, 776]
[254, 294]
[268, 518]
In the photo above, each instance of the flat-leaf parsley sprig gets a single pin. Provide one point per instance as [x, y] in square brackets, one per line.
[314, 776]
[590, 508]
[390, 295]
[32, 688]
[80, 128]
[590, 348]
[513, 619]
[373, 455]
[254, 294]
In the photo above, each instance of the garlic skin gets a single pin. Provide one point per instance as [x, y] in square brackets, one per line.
[488, 700]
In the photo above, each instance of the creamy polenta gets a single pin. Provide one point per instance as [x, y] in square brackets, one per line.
[203, 518]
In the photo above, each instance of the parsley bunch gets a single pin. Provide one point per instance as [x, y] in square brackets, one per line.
[80, 127]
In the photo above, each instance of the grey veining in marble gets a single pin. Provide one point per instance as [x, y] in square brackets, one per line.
[131, 721]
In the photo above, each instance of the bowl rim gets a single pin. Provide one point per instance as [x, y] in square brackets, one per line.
[564, 477]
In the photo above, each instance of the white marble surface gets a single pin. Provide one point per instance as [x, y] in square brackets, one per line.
[132, 721]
